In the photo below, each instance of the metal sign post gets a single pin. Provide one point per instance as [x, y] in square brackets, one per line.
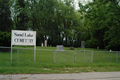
[11, 54]
[11, 46]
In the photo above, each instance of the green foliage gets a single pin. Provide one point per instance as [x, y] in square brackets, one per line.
[97, 23]
[92, 43]
[5, 38]
[21, 19]
[5, 16]
[54, 20]
[104, 22]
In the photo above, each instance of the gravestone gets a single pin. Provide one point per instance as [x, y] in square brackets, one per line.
[42, 45]
[59, 48]
[82, 44]
[110, 50]
[45, 43]
[71, 48]
[97, 47]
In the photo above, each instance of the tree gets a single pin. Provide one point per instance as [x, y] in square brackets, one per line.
[103, 19]
[67, 20]
[54, 20]
[5, 23]
[21, 19]
[41, 17]
[5, 16]
[113, 23]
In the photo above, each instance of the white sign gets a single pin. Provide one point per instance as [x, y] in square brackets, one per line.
[20, 37]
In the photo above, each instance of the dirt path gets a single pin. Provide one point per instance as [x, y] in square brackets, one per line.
[70, 76]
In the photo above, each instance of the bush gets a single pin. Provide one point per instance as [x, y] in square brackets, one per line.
[5, 38]
[92, 43]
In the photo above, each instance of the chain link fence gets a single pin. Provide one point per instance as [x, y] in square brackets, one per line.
[83, 56]
[64, 56]
[53, 56]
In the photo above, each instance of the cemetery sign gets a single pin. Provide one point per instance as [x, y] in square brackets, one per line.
[23, 37]
[19, 37]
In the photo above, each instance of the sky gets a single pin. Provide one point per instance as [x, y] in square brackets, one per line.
[76, 4]
[82, 1]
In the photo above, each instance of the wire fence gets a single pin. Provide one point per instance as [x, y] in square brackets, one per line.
[54, 56]
[83, 56]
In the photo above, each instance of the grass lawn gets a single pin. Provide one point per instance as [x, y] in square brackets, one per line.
[69, 61]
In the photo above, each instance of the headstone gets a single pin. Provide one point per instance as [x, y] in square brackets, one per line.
[110, 50]
[83, 44]
[45, 43]
[60, 48]
[71, 48]
[42, 44]
[97, 47]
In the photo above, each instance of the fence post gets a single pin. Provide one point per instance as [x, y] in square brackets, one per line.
[73, 56]
[92, 56]
[109, 56]
[84, 55]
[17, 54]
[54, 60]
[117, 56]
[64, 56]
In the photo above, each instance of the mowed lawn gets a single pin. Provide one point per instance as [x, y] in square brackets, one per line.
[49, 61]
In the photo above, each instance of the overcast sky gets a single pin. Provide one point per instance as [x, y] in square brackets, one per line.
[76, 4]
[82, 1]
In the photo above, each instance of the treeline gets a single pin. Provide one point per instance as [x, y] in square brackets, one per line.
[97, 23]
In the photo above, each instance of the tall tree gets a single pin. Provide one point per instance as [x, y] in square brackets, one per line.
[5, 23]
[5, 16]
[67, 20]
[21, 18]
[41, 17]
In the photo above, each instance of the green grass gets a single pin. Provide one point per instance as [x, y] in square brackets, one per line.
[65, 61]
